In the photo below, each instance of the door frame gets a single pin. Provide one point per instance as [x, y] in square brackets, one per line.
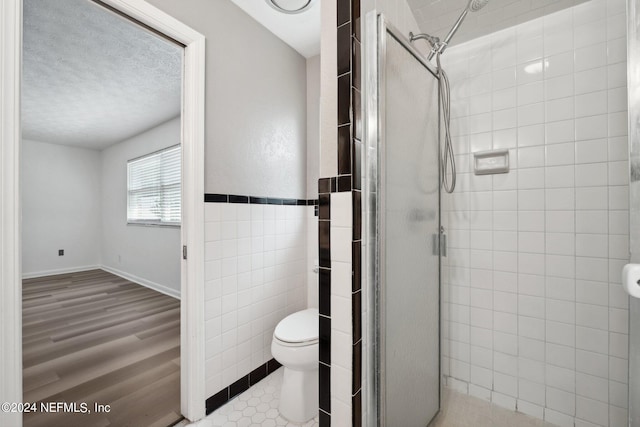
[192, 385]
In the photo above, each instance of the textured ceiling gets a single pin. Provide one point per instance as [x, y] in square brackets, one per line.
[436, 17]
[92, 78]
[301, 31]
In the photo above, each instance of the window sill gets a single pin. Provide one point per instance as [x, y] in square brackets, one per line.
[154, 224]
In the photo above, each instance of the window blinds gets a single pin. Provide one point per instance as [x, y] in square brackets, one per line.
[153, 188]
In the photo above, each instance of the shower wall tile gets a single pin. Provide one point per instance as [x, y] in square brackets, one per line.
[534, 318]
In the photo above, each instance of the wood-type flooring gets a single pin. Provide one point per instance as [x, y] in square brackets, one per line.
[93, 337]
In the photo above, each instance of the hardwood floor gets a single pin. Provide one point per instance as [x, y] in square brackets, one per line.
[93, 337]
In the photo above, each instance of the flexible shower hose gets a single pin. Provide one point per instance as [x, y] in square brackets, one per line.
[448, 159]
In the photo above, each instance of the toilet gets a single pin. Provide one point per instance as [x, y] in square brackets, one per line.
[295, 346]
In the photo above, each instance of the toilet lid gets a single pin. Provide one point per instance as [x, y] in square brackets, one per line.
[298, 327]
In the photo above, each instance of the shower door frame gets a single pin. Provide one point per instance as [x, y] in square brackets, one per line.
[633, 90]
[375, 54]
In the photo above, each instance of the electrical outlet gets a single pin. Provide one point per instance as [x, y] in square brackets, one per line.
[60, 252]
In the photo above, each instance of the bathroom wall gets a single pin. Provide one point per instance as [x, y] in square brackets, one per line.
[255, 151]
[61, 208]
[535, 318]
[255, 102]
[313, 173]
[255, 275]
[438, 17]
[313, 126]
[144, 254]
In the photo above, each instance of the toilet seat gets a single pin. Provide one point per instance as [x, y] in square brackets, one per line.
[298, 329]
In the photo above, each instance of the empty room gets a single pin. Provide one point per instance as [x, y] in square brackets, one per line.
[101, 213]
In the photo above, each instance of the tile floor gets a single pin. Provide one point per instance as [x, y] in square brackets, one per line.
[461, 410]
[256, 407]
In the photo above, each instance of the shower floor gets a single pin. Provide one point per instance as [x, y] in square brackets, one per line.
[256, 407]
[461, 410]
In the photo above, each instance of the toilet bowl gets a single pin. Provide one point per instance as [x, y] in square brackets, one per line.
[295, 346]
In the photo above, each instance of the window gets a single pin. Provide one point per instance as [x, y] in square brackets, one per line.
[153, 188]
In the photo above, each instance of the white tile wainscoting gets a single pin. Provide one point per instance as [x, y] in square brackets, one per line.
[256, 274]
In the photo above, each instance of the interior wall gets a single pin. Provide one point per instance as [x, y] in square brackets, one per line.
[313, 126]
[255, 145]
[146, 254]
[534, 315]
[255, 103]
[255, 274]
[313, 174]
[329, 91]
[60, 208]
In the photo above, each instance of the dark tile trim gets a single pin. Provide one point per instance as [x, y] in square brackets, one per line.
[344, 183]
[325, 419]
[239, 386]
[216, 198]
[243, 384]
[344, 11]
[324, 340]
[238, 199]
[233, 198]
[324, 241]
[356, 363]
[325, 388]
[356, 409]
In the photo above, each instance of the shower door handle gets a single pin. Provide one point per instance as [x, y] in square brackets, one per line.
[439, 244]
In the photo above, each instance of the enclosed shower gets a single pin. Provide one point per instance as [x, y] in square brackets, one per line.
[497, 211]
[410, 159]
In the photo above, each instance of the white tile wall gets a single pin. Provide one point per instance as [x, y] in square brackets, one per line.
[436, 17]
[341, 326]
[534, 316]
[256, 273]
[312, 258]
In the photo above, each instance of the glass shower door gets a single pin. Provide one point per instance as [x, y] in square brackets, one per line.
[409, 225]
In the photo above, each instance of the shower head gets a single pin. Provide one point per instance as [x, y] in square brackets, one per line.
[476, 5]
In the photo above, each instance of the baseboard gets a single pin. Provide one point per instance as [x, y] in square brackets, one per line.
[243, 384]
[144, 282]
[59, 271]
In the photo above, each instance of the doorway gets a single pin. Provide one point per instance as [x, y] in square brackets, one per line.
[191, 233]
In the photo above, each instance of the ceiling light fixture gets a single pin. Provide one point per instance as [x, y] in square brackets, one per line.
[290, 6]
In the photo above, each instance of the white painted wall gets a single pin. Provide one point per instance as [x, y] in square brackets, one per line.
[145, 254]
[313, 126]
[255, 102]
[329, 91]
[60, 208]
[313, 173]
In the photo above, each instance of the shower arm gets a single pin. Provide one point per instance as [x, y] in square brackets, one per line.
[441, 46]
